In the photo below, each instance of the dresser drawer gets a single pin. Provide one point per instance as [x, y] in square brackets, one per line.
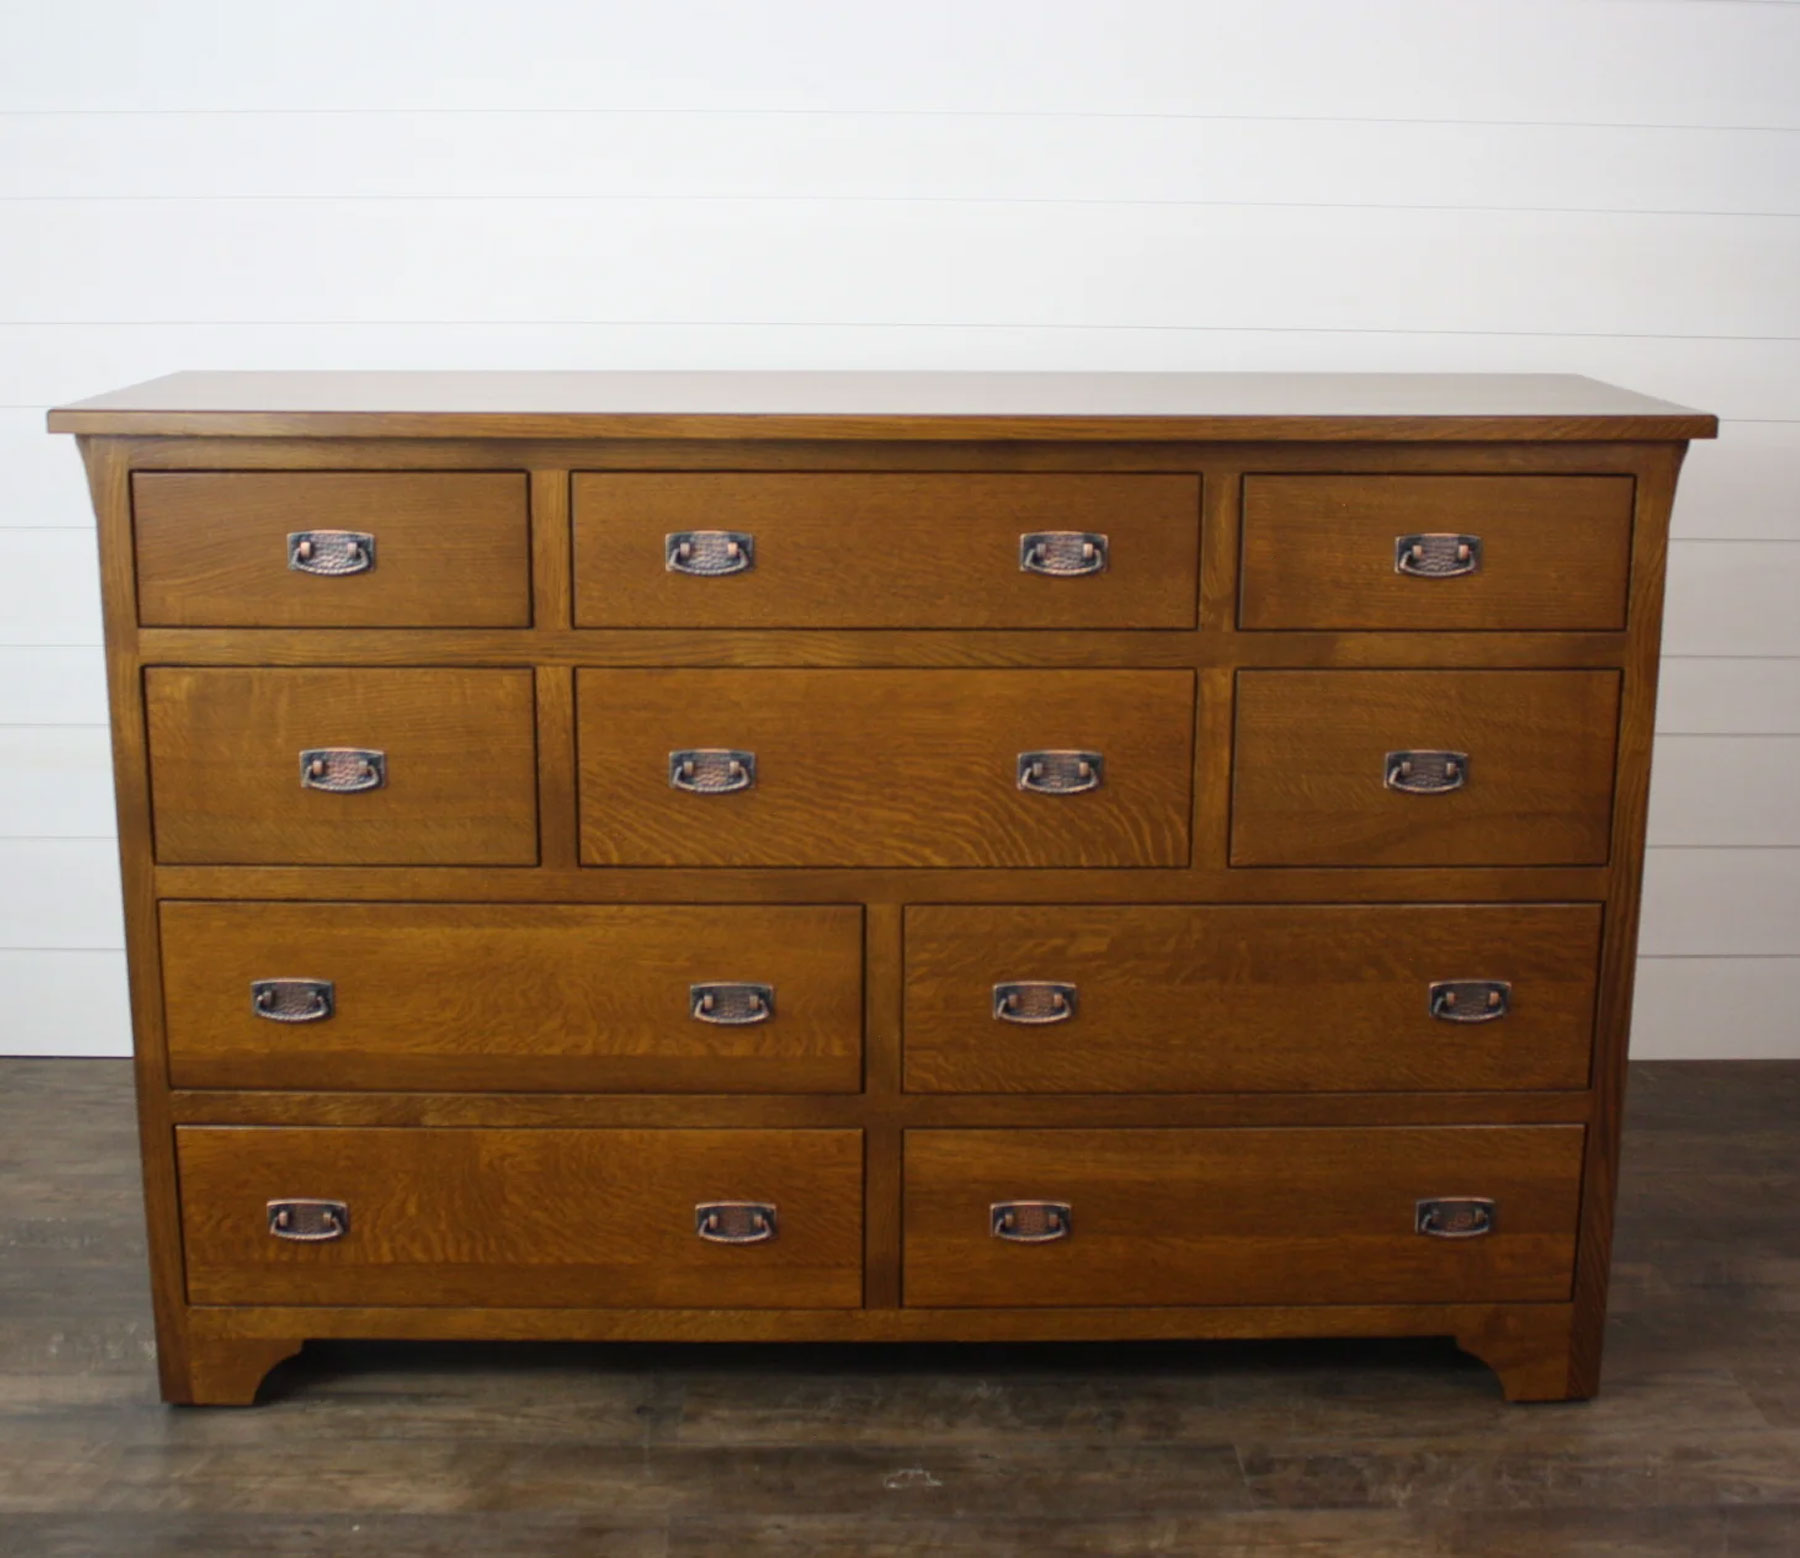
[1269, 998]
[332, 549]
[431, 767]
[886, 550]
[528, 1218]
[1525, 552]
[1284, 1216]
[523, 997]
[1323, 759]
[884, 768]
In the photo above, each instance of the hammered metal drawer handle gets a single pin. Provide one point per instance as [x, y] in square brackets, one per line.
[731, 1004]
[1437, 556]
[1470, 1000]
[1029, 1222]
[735, 1222]
[293, 1000]
[1060, 773]
[711, 770]
[709, 554]
[1034, 1001]
[331, 553]
[1427, 773]
[1063, 554]
[309, 1222]
[1454, 1217]
[342, 770]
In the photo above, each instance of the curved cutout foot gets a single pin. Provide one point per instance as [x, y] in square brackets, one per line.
[228, 1371]
[1532, 1351]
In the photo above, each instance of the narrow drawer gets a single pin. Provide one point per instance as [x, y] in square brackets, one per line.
[387, 549]
[1319, 1216]
[1347, 768]
[526, 997]
[522, 1218]
[884, 768]
[886, 550]
[427, 767]
[1244, 999]
[1523, 552]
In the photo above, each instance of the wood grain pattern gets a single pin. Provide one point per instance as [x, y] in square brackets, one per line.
[1272, 999]
[524, 998]
[923, 766]
[1309, 772]
[452, 549]
[1318, 551]
[225, 766]
[538, 1218]
[885, 550]
[1241, 1216]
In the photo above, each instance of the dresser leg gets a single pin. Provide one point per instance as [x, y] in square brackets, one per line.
[1532, 1351]
[228, 1371]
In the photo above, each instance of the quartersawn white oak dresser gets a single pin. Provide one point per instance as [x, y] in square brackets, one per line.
[835, 856]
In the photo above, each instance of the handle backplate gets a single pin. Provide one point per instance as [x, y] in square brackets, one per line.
[1427, 772]
[1437, 556]
[1061, 772]
[735, 1222]
[1454, 1217]
[709, 554]
[731, 1004]
[1470, 1000]
[330, 553]
[293, 1000]
[1063, 554]
[711, 770]
[306, 1221]
[343, 770]
[1034, 1001]
[1030, 1222]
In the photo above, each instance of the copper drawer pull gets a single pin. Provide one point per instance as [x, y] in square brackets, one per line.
[307, 1221]
[1061, 772]
[1470, 1000]
[1437, 556]
[731, 1004]
[331, 553]
[709, 554]
[293, 1000]
[342, 770]
[1454, 1217]
[1063, 554]
[1029, 1222]
[1033, 1001]
[735, 1222]
[1427, 772]
[711, 770]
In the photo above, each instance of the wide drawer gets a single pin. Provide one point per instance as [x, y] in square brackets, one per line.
[526, 997]
[1229, 1216]
[1523, 552]
[332, 548]
[331, 766]
[884, 768]
[1443, 768]
[528, 1218]
[1268, 998]
[892, 549]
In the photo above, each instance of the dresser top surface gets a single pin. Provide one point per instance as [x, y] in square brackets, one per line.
[1297, 407]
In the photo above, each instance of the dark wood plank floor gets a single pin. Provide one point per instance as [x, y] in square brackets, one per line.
[1326, 1449]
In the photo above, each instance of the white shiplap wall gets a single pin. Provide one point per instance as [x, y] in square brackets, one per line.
[1608, 187]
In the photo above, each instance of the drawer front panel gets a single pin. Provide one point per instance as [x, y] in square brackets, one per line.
[518, 998]
[1311, 772]
[1320, 1216]
[884, 768]
[894, 550]
[1543, 551]
[456, 785]
[530, 1218]
[446, 549]
[1275, 998]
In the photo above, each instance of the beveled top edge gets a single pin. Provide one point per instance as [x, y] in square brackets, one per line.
[910, 405]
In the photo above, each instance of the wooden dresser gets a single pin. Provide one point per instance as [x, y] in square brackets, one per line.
[862, 856]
